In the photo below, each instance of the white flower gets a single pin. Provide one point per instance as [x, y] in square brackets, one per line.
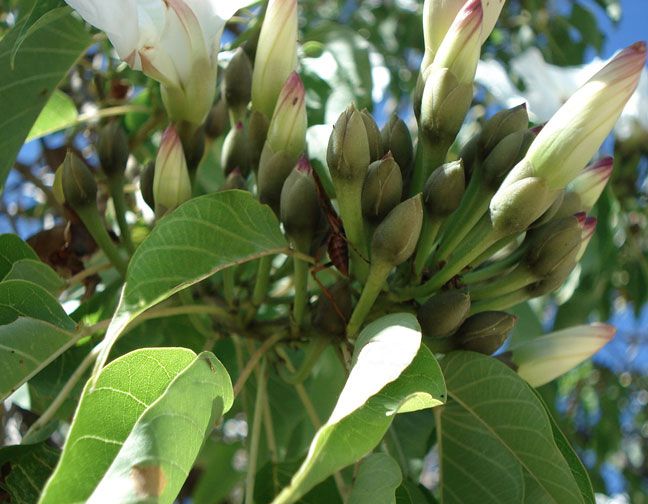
[176, 42]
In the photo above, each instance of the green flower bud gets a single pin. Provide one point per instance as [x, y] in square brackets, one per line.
[77, 183]
[504, 156]
[348, 154]
[551, 282]
[235, 153]
[373, 136]
[554, 244]
[501, 125]
[146, 184]
[300, 210]
[235, 180]
[552, 213]
[516, 206]
[395, 238]
[470, 155]
[332, 319]
[237, 83]
[443, 313]
[171, 182]
[485, 332]
[396, 138]
[112, 149]
[590, 183]
[257, 134]
[444, 189]
[383, 188]
[194, 149]
[273, 172]
[217, 120]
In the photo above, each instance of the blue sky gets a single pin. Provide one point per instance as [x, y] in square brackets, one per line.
[632, 27]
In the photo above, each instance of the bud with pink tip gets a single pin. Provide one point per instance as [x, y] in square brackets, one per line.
[543, 359]
[590, 183]
[276, 55]
[171, 182]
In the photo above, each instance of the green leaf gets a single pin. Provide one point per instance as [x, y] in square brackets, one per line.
[37, 272]
[377, 480]
[492, 431]
[138, 431]
[59, 113]
[41, 63]
[19, 298]
[13, 249]
[411, 493]
[203, 236]
[42, 13]
[25, 469]
[392, 373]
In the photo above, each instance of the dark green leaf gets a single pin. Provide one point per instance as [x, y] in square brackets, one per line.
[376, 482]
[13, 249]
[25, 469]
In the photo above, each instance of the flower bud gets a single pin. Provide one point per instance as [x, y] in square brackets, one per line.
[517, 205]
[332, 319]
[550, 282]
[590, 183]
[78, 184]
[501, 125]
[373, 136]
[171, 183]
[300, 209]
[541, 360]
[237, 83]
[235, 180]
[444, 189]
[112, 149]
[438, 16]
[396, 138]
[348, 155]
[588, 228]
[554, 244]
[217, 120]
[443, 313]
[395, 238]
[271, 177]
[574, 134]
[383, 188]
[235, 152]
[485, 332]
[504, 156]
[276, 55]
[287, 130]
[257, 134]
[194, 149]
[146, 184]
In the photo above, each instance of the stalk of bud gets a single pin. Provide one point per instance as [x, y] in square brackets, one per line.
[171, 182]
[285, 142]
[276, 55]
[544, 359]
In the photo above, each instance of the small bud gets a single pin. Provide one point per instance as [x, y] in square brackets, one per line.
[237, 83]
[235, 180]
[171, 183]
[77, 183]
[590, 183]
[300, 210]
[112, 148]
[217, 120]
[257, 134]
[516, 206]
[373, 136]
[541, 360]
[554, 244]
[395, 238]
[396, 138]
[444, 189]
[235, 152]
[382, 190]
[348, 155]
[194, 149]
[287, 130]
[575, 133]
[501, 125]
[588, 228]
[504, 156]
[276, 55]
[333, 319]
[273, 172]
[485, 332]
[443, 313]
[146, 184]
[551, 282]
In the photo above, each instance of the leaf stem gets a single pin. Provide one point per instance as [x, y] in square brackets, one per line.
[92, 222]
[262, 280]
[301, 291]
[378, 273]
[254, 360]
[255, 435]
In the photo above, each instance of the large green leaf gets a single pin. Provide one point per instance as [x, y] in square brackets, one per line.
[38, 272]
[377, 480]
[35, 330]
[41, 63]
[138, 430]
[392, 373]
[13, 249]
[494, 432]
[201, 237]
[59, 113]
[25, 469]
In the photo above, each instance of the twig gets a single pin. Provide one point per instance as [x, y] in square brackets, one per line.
[255, 434]
[88, 272]
[254, 360]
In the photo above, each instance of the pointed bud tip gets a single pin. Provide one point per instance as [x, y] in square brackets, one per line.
[588, 226]
[581, 217]
[304, 166]
[387, 156]
[605, 331]
[239, 126]
[170, 135]
[603, 167]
